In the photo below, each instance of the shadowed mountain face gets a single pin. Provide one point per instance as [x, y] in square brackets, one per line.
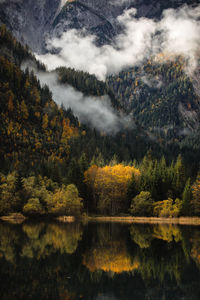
[31, 22]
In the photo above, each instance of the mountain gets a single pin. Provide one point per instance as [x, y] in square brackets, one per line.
[159, 97]
[100, 17]
[32, 22]
[29, 20]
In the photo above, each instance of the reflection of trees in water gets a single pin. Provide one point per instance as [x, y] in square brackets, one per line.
[158, 256]
[9, 238]
[167, 232]
[162, 251]
[41, 240]
[195, 249]
[143, 235]
[55, 237]
[159, 251]
[109, 253]
[33, 230]
[34, 261]
[113, 258]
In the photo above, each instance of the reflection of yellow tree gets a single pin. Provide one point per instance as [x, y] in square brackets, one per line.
[109, 254]
[55, 237]
[167, 232]
[113, 259]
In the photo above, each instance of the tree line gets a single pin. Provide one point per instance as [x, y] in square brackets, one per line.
[151, 188]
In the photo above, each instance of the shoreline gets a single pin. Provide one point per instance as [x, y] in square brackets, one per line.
[147, 220]
[17, 218]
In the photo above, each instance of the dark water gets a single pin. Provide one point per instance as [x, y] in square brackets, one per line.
[99, 261]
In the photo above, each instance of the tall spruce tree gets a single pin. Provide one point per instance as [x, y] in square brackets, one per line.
[187, 197]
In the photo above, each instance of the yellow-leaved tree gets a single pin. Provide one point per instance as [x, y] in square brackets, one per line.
[109, 186]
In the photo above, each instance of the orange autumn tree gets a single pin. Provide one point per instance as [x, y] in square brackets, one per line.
[109, 186]
[68, 131]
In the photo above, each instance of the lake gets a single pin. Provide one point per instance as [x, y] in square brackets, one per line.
[100, 261]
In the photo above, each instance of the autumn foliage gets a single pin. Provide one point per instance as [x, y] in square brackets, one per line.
[112, 258]
[109, 253]
[109, 185]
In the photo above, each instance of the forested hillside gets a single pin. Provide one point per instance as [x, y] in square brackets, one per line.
[53, 164]
[33, 127]
[86, 83]
[161, 97]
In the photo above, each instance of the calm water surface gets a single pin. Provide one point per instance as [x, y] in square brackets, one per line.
[99, 261]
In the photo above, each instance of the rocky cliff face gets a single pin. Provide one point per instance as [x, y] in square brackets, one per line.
[99, 17]
[31, 21]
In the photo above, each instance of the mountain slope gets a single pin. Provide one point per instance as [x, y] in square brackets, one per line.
[33, 128]
[136, 91]
[37, 135]
[161, 97]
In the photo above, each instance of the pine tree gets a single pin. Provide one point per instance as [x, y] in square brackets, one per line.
[132, 189]
[179, 177]
[187, 197]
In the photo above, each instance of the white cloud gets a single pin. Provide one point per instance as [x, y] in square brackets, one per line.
[181, 33]
[79, 50]
[177, 32]
[94, 111]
